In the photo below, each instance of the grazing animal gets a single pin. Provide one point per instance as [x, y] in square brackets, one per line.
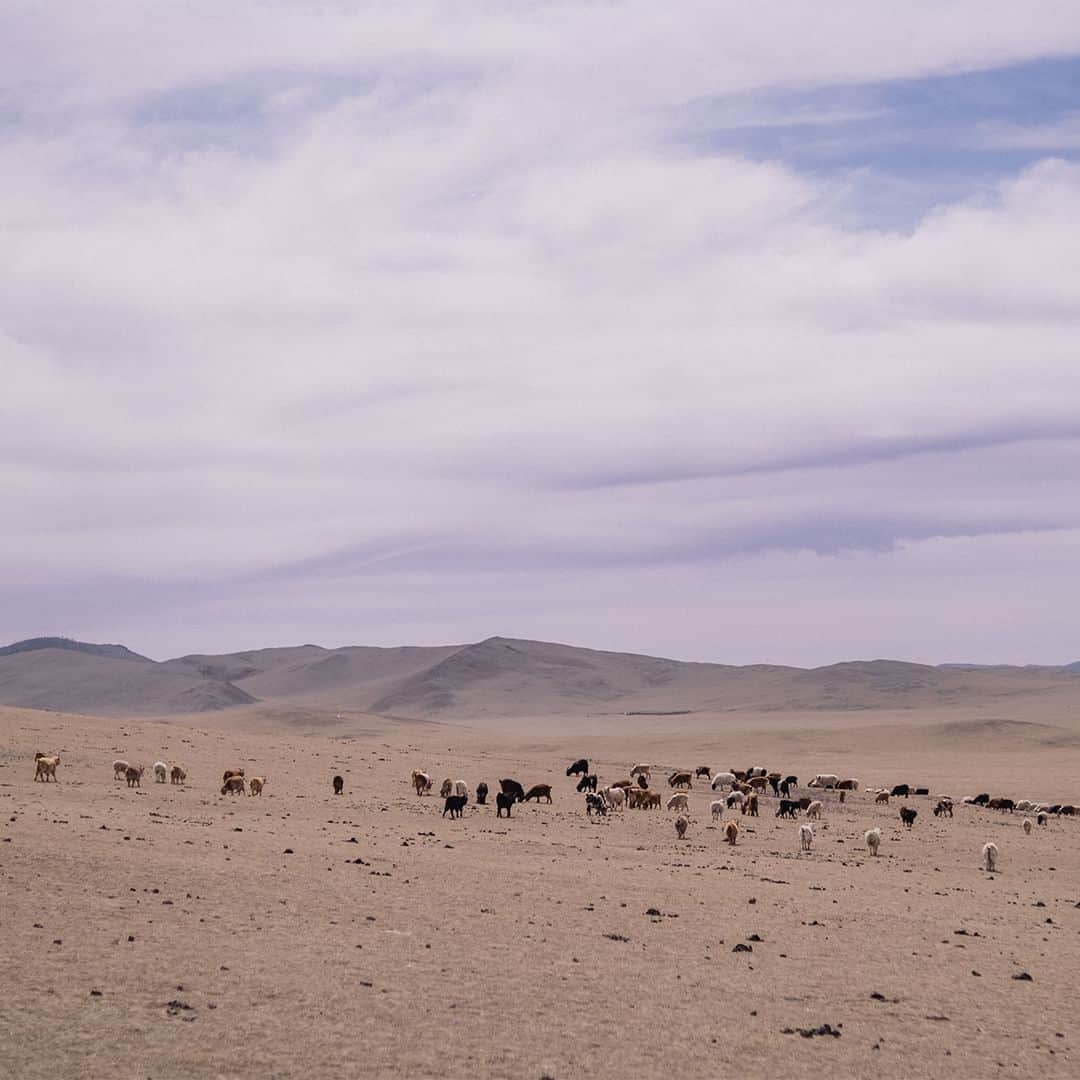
[944, 808]
[624, 784]
[908, 815]
[161, 771]
[981, 799]
[635, 798]
[716, 808]
[731, 832]
[1027, 826]
[461, 788]
[503, 802]
[446, 788]
[703, 770]
[579, 766]
[1040, 819]
[455, 804]
[641, 769]
[847, 785]
[513, 789]
[339, 784]
[751, 806]
[482, 790]
[785, 789]
[901, 791]
[45, 766]
[791, 781]
[680, 779]
[177, 775]
[758, 783]
[1068, 810]
[806, 837]
[255, 785]
[922, 791]
[722, 780]
[813, 811]
[735, 799]
[1001, 804]
[757, 770]
[804, 802]
[787, 808]
[990, 855]
[229, 773]
[119, 768]
[421, 782]
[615, 797]
[824, 780]
[643, 780]
[774, 783]
[233, 786]
[587, 783]
[678, 801]
[680, 826]
[873, 840]
[652, 800]
[134, 775]
[881, 797]
[538, 792]
[595, 802]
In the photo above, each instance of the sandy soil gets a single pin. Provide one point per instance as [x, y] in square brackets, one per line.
[173, 932]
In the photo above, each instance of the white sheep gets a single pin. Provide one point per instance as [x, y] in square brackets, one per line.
[735, 799]
[120, 769]
[813, 811]
[990, 854]
[679, 801]
[806, 837]
[1027, 826]
[615, 797]
[644, 769]
[460, 788]
[873, 840]
[717, 809]
[161, 771]
[722, 780]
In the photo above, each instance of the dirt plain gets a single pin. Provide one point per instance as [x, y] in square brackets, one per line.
[170, 931]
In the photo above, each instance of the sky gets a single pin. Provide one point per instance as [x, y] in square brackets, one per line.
[746, 334]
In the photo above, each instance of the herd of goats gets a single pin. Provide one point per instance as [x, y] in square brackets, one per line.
[739, 790]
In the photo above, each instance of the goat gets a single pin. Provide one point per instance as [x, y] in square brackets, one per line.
[538, 792]
[806, 837]
[731, 832]
[503, 802]
[481, 794]
[133, 775]
[177, 775]
[455, 804]
[680, 826]
[255, 785]
[579, 766]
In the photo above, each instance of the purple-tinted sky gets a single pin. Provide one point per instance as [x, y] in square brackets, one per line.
[713, 332]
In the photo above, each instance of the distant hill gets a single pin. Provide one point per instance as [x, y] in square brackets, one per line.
[493, 679]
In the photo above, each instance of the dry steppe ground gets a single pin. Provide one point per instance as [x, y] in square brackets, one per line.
[173, 932]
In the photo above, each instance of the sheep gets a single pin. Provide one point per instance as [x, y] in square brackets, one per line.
[1025, 805]
[133, 775]
[177, 775]
[847, 785]
[736, 798]
[456, 804]
[233, 786]
[339, 784]
[579, 766]
[587, 783]
[230, 773]
[813, 811]
[635, 798]
[1027, 826]
[678, 801]
[680, 826]
[901, 791]
[759, 783]
[751, 806]
[873, 840]
[643, 769]
[731, 832]
[625, 784]
[990, 854]
[615, 797]
[908, 815]
[161, 772]
[447, 788]
[944, 808]
[1040, 819]
[716, 808]
[461, 788]
[421, 782]
[503, 802]
[538, 792]
[513, 789]
[787, 808]
[824, 780]
[757, 770]
[806, 837]
[255, 785]
[881, 797]
[595, 802]
[680, 779]
[481, 794]
[722, 779]
[119, 768]
[45, 766]
[652, 800]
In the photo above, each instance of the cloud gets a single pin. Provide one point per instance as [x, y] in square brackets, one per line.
[304, 310]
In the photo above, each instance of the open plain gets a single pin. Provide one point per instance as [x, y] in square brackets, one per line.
[170, 931]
